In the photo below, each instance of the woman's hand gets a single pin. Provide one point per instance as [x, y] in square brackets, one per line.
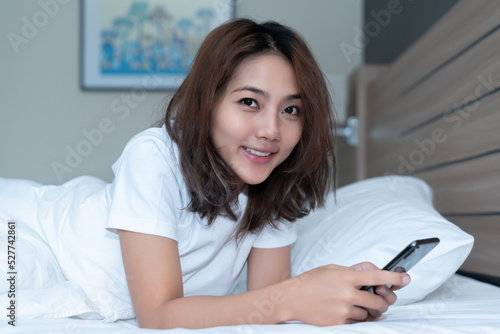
[381, 290]
[331, 295]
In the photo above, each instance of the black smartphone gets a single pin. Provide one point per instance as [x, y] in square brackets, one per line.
[409, 257]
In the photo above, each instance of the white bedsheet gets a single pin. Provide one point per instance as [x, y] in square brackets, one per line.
[461, 305]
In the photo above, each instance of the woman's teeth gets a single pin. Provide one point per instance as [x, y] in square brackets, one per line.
[257, 153]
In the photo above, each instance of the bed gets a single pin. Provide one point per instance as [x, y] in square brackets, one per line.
[461, 305]
[439, 122]
[426, 165]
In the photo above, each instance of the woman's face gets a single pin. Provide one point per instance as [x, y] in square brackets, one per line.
[256, 123]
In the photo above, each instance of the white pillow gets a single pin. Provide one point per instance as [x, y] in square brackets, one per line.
[373, 220]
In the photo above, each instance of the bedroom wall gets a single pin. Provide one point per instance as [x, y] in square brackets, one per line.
[391, 34]
[44, 115]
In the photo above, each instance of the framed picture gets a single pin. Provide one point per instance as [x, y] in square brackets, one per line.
[146, 44]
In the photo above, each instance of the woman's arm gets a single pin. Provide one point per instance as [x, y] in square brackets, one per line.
[154, 277]
[153, 270]
[327, 295]
[267, 266]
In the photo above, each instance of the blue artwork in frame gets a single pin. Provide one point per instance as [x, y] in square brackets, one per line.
[146, 44]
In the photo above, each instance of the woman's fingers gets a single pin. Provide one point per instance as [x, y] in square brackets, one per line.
[381, 279]
[376, 276]
[371, 301]
[387, 293]
[358, 314]
[365, 266]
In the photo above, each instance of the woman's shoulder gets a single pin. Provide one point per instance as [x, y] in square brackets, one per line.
[153, 134]
[152, 141]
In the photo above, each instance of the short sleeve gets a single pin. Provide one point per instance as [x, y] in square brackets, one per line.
[145, 195]
[271, 237]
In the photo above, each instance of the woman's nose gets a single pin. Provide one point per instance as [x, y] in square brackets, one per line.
[268, 125]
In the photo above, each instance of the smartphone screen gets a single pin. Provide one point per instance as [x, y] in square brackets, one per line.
[409, 256]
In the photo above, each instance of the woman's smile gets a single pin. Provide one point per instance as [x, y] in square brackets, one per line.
[257, 156]
[256, 123]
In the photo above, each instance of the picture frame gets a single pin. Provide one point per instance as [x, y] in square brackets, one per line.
[144, 44]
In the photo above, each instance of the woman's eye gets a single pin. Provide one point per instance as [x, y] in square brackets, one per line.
[249, 102]
[291, 110]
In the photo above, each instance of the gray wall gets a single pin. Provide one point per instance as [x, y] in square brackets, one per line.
[44, 115]
[393, 25]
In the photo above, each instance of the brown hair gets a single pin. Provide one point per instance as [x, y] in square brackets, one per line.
[298, 184]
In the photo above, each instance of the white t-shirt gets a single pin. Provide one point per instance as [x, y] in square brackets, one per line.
[79, 220]
[149, 196]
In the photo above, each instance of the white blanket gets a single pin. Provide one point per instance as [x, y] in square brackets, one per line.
[461, 305]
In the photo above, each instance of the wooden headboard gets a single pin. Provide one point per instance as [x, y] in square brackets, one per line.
[434, 113]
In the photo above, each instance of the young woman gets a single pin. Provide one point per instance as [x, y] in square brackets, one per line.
[246, 148]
